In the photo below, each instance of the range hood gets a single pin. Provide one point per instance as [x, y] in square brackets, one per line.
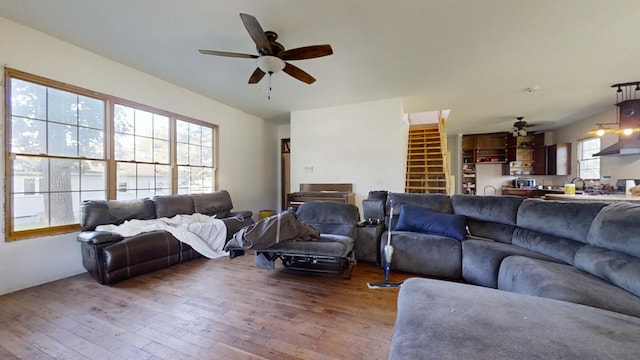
[628, 117]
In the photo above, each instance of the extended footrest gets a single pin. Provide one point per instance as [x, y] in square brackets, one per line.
[331, 254]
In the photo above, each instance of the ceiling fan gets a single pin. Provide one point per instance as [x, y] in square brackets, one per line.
[520, 127]
[272, 57]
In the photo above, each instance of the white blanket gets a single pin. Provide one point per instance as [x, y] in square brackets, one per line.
[205, 234]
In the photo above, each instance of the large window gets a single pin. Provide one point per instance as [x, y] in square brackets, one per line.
[589, 164]
[68, 144]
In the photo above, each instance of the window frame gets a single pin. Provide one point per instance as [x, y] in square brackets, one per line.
[581, 159]
[110, 168]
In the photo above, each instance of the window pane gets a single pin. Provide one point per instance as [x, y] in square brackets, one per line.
[60, 174]
[28, 211]
[123, 119]
[207, 136]
[144, 149]
[63, 208]
[160, 127]
[207, 156]
[182, 131]
[92, 195]
[28, 136]
[194, 155]
[93, 176]
[184, 177]
[63, 140]
[144, 123]
[90, 112]
[126, 178]
[146, 176]
[91, 143]
[62, 107]
[161, 151]
[28, 99]
[195, 134]
[163, 179]
[31, 168]
[124, 145]
[589, 165]
[182, 153]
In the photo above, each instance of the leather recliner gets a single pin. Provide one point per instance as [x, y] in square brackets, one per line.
[110, 258]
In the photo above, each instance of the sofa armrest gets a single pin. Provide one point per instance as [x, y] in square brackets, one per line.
[242, 214]
[98, 237]
[373, 209]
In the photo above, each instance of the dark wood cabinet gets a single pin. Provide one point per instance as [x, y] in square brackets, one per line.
[532, 193]
[559, 159]
[491, 148]
[540, 160]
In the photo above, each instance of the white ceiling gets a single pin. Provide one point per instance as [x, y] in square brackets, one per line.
[475, 57]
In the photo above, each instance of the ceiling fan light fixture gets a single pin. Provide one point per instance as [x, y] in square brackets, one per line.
[270, 64]
[601, 129]
[627, 131]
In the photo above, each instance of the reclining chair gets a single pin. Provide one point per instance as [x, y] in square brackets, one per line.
[333, 252]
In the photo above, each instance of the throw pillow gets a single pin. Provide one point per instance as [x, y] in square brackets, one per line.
[421, 220]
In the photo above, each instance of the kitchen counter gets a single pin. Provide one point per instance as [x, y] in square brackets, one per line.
[532, 192]
[592, 198]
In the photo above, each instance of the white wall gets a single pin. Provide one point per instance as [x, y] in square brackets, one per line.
[363, 144]
[247, 161]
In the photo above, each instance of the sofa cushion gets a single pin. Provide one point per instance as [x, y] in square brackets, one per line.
[482, 259]
[217, 203]
[568, 219]
[425, 254]
[617, 227]
[172, 205]
[554, 246]
[563, 282]
[422, 220]
[497, 209]
[618, 268]
[436, 202]
[491, 230]
[446, 320]
[102, 212]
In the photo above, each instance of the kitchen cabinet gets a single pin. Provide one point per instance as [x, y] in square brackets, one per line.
[480, 148]
[519, 155]
[559, 159]
[540, 160]
[491, 147]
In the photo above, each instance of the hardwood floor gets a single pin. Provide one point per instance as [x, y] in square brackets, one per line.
[204, 309]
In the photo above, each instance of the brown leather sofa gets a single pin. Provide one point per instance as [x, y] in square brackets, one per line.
[110, 258]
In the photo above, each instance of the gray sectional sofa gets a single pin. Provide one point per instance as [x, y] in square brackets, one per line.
[582, 253]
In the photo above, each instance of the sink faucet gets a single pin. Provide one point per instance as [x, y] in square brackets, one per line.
[577, 178]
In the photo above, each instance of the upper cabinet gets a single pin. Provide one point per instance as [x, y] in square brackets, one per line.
[491, 147]
[559, 159]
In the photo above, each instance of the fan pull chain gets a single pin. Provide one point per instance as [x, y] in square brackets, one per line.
[269, 93]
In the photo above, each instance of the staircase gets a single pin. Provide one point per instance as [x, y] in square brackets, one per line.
[427, 160]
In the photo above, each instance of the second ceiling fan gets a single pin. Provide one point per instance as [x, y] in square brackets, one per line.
[272, 57]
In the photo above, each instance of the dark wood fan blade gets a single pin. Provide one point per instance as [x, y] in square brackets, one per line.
[298, 73]
[228, 54]
[256, 76]
[257, 34]
[307, 52]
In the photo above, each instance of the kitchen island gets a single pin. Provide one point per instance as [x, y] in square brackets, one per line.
[592, 198]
